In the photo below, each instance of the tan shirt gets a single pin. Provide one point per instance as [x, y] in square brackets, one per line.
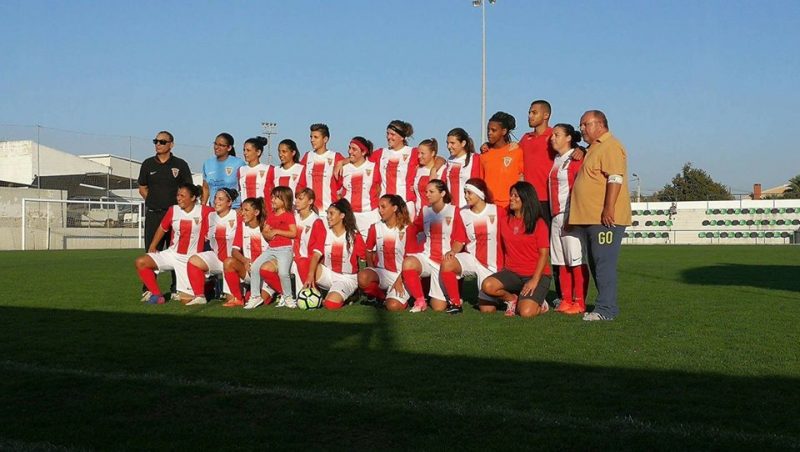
[606, 156]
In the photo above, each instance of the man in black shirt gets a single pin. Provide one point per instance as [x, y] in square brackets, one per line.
[159, 178]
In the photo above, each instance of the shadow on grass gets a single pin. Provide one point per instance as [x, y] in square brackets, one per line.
[777, 277]
[140, 381]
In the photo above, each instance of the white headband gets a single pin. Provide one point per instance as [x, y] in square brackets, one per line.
[477, 191]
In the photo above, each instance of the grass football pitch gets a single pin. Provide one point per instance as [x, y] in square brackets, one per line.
[704, 355]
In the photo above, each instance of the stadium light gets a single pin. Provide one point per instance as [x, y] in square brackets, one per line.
[638, 187]
[269, 129]
[482, 5]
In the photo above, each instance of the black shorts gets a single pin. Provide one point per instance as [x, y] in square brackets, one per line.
[513, 283]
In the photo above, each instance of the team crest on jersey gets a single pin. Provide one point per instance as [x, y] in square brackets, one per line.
[369, 172]
[196, 220]
[405, 157]
[261, 173]
[294, 176]
[491, 219]
[401, 234]
[175, 172]
[231, 222]
[448, 220]
[228, 170]
[308, 228]
[330, 161]
[507, 161]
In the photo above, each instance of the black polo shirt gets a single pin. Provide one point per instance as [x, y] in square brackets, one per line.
[162, 180]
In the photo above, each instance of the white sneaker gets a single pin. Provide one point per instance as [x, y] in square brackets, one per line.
[174, 297]
[544, 307]
[594, 317]
[254, 302]
[419, 306]
[146, 296]
[556, 302]
[197, 301]
[280, 303]
[289, 302]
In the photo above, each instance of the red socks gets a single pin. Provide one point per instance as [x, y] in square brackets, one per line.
[232, 278]
[148, 277]
[197, 279]
[272, 279]
[373, 289]
[580, 281]
[565, 280]
[413, 284]
[450, 282]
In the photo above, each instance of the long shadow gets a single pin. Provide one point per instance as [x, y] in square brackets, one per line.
[778, 277]
[140, 381]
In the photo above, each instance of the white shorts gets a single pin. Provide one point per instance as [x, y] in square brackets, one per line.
[213, 262]
[170, 260]
[470, 266]
[386, 279]
[344, 285]
[566, 248]
[430, 269]
[366, 219]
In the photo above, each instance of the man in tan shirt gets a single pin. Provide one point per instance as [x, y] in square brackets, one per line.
[601, 209]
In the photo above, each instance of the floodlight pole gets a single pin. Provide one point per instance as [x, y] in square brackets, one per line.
[482, 5]
[638, 187]
[269, 129]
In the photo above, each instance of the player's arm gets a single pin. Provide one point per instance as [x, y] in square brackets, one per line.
[204, 197]
[613, 188]
[144, 191]
[160, 232]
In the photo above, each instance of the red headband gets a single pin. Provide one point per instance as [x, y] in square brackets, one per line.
[360, 145]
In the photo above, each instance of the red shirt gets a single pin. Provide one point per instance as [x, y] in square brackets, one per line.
[280, 222]
[537, 160]
[521, 249]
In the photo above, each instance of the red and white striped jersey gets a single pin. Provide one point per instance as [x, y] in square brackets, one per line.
[441, 230]
[310, 235]
[279, 176]
[398, 169]
[250, 241]
[561, 180]
[318, 175]
[421, 180]
[457, 173]
[361, 185]
[391, 245]
[253, 181]
[221, 232]
[483, 235]
[188, 229]
[340, 257]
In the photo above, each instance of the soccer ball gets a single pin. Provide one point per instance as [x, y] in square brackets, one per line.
[309, 298]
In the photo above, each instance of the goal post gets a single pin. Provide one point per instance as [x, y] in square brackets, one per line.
[54, 224]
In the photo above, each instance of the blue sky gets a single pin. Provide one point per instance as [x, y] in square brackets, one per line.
[712, 82]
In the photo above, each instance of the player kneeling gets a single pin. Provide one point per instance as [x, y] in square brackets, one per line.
[189, 224]
[248, 244]
[222, 228]
[483, 256]
[343, 248]
[444, 235]
[525, 278]
[388, 242]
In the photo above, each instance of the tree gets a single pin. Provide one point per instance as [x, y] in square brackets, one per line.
[693, 184]
[793, 192]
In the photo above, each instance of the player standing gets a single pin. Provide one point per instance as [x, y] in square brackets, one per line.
[222, 169]
[253, 177]
[502, 164]
[462, 164]
[428, 169]
[318, 166]
[566, 244]
[360, 184]
[287, 174]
